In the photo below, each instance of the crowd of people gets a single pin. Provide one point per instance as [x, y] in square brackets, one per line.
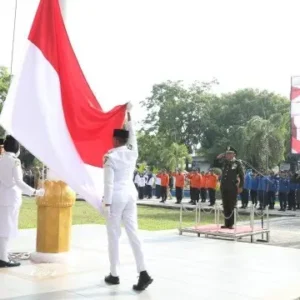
[202, 185]
[261, 190]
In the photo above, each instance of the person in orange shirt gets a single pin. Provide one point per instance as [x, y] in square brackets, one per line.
[211, 182]
[203, 190]
[179, 184]
[164, 185]
[195, 187]
[189, 177]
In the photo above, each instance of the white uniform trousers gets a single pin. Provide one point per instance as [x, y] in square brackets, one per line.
[4, 249]
[124, 211]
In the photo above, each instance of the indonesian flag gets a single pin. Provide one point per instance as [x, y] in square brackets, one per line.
[51, 110]
[295, 115]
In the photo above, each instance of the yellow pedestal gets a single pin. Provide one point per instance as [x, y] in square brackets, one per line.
[55, 218]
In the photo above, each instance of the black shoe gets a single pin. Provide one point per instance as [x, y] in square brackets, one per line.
[10, 264]
[224, 227]
[144, 281]
[230, 227]
[112, 280]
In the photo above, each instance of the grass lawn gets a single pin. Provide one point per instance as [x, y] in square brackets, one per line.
[149, 218]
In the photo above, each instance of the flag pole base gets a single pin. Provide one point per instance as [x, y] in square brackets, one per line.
[38, 257]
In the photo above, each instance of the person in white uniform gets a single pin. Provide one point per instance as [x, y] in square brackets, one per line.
[11, 188]
[119, 202]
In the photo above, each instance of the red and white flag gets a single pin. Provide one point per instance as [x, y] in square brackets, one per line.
[51, 110]
[295, 115]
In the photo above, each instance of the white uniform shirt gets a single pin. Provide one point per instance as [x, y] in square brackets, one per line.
[137, 179]
[142, 182]
[150, 181]
[157, 181]
[11, 181]
[119, 166]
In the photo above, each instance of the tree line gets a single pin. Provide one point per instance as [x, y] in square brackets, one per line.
[184, 120]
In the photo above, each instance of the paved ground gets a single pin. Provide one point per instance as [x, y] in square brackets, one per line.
[284, 226]
[183, 267]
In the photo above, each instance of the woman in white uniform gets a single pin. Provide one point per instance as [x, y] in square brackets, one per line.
[11, 188]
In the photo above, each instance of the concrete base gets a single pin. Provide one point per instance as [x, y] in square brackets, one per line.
[38, 257]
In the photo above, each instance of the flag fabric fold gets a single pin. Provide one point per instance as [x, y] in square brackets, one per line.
[53, 112]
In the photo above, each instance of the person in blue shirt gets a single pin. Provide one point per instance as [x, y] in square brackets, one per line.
[246, 189]
[272, 189]
[283, 190]
[253, 188]
[262, 191]
[292, 192]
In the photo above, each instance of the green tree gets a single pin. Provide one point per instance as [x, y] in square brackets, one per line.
[176, 112]
[264, 143]
[174, 156]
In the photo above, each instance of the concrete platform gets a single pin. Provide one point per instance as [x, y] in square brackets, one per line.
[183, 267]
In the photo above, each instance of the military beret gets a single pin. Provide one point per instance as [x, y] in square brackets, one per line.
[230, 149]
[121, 133]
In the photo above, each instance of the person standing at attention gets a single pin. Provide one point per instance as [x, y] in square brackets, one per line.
[164, 185]
[119, 202]
[11, 188]
[232, 183]
[179, 182]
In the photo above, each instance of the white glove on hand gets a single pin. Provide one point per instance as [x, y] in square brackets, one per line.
[40, 193]
[129, 106]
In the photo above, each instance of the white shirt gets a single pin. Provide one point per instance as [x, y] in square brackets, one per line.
[142, 182]
[157, 181]
[119, 166]
[150, 181]
[11, 181]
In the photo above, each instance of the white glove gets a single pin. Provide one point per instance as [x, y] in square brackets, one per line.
[129, 106]
[40, 193]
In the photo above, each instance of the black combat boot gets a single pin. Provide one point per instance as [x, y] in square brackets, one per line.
[10, 264]
[144, 281]
[112, 280]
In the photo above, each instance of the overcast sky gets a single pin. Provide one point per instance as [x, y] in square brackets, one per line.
[124, 47]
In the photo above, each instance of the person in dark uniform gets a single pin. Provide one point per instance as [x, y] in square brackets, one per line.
[232, 183]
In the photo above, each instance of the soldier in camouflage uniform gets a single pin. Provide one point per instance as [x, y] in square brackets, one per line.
[232, 183]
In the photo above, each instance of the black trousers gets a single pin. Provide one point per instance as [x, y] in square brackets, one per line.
[158, 191]
[203, 193]
[253, 195]
[212, 196]
[271, 199]
[292, 199]
[298, 198]
[141, 192]
[195, 195]
[283, 200]
[245, 197]
[262, 198]
[229, 198]
[164, 194]
[149, 191]
[179, 194]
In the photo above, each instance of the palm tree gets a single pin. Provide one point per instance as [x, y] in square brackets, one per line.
[175, 155]
[264, 142]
